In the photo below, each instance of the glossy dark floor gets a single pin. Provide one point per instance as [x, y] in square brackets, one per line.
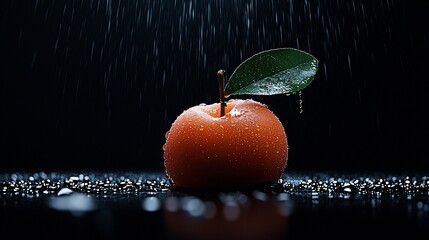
[141, 206]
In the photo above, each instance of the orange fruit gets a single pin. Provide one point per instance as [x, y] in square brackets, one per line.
[246, 147]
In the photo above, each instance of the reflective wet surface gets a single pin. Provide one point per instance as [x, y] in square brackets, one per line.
[142, 205]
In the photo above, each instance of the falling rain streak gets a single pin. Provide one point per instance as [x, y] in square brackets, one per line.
[138, 49]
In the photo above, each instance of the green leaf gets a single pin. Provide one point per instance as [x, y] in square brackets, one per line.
[276, 71]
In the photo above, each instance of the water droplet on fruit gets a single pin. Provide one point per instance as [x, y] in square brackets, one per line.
[166, 134]
[235, 112]
[203, 104]
[232, 125]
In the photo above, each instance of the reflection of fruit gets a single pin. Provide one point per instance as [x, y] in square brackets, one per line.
[245, 147]
[255, 220]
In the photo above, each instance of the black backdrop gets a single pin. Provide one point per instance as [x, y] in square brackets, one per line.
[94, 85]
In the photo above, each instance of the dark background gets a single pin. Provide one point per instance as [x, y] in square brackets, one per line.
[94, 85]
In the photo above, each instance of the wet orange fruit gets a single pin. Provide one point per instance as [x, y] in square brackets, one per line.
[246, 147]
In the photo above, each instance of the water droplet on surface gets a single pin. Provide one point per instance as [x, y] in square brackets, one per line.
[347, 189]
[74, 178]
[193, 206]
[75, 203]
[151, 204]
[283, 197]
[260, 196]
[64, 191]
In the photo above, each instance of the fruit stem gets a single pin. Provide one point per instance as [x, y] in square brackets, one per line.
[220, 78]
